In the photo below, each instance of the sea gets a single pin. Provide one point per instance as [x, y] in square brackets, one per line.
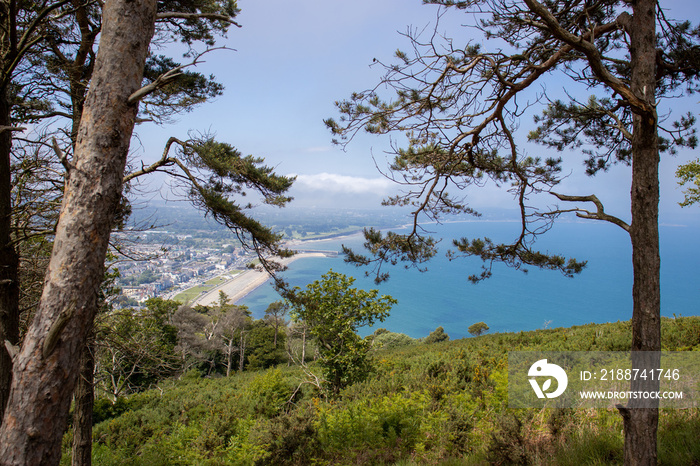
[512, 300]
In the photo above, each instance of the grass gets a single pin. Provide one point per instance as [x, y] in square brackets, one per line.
[190, 294]
[326, 234]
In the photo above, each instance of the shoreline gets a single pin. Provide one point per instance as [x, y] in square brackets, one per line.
[246, 282]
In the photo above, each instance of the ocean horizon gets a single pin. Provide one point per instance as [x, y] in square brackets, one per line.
[512, 300]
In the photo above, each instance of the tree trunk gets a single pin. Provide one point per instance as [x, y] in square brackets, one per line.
[241, 353]
[9, 260]
[303, 345]
[46, 369]
[641, 424]
[84, 401]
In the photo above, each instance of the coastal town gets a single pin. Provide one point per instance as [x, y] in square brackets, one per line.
[164, 267]
[189, 259]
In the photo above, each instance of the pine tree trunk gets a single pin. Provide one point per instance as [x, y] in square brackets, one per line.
[84, 401]
[641, 424]
[46, 369]
[9, 261]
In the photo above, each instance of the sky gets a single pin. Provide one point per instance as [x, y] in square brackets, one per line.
[293, 60]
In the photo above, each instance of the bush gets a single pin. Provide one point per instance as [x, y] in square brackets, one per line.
[390, 340]
[437, 336]
[268, 394]
[478, 328]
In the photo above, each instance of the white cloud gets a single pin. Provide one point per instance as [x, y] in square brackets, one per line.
[334, 183]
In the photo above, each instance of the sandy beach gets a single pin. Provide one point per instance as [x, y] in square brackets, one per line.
[245, 282]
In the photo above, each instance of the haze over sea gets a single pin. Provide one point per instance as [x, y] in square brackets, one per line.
[512, 300]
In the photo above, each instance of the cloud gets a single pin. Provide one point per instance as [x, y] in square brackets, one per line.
[334, 183]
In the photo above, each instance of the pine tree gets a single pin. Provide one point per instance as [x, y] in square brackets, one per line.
[459, 107]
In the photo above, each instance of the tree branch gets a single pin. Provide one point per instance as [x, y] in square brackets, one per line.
[11, 128]
[164, 161]
[160, 81]
[585, 45]
[166, 78]
[214, 16]
[581, 213]
[61, 156]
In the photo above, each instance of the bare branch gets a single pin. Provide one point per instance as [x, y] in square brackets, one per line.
[161, 81]
[164, 161]
[581, 213]
[59, 153]
[167, 77]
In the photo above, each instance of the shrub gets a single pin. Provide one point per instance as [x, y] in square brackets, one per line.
[478, 328]
[269, 393]
[437, 336]
[390, 340]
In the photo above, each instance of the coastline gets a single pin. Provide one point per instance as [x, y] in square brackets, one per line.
[246, 282]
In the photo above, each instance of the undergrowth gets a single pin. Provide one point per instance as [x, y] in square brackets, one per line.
[442, 403]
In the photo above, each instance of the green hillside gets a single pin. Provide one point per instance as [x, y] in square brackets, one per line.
[425, 403]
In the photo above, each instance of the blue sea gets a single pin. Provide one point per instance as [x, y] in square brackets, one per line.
[512, 300]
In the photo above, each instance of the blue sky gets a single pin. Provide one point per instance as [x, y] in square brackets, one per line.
[293, 60]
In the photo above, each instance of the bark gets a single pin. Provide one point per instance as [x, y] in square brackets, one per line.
[82, 415]
[46, 369]
[9, 260]
[241, 351]
[641, 424]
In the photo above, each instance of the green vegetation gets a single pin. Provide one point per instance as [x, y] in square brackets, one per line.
[333, 312]
[437, 335]
[690, 174]
[191, 293]
[423, 404]
[478, 328]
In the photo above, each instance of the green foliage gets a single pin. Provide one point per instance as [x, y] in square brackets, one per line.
[269, 394]
[333, 312]
[180, 95]
[138, 349]
[261, 351]
[436, 336]
[478, 328]
[391, 248]
[424, 404]
[223, 173]
[397, 423]
[388, 340]
[690, 174]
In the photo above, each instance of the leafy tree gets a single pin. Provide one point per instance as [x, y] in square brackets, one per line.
[192, 346]
[437, 335]
[265, 346]
[478, 329]
[137, 348]
[689, 173]
[333, 312]
[460, 108]
[274, 315]
[232, 334]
